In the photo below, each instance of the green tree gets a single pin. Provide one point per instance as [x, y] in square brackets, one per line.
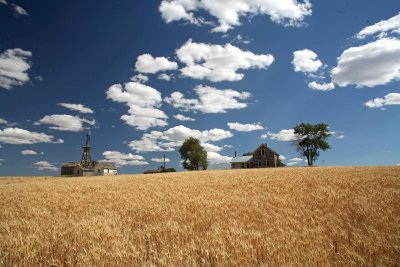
[193, 155]
[310, 139]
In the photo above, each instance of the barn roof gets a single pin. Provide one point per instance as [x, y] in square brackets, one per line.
[241, 159]
[267, 147]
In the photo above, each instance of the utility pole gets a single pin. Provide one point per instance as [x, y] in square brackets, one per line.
[164, 161]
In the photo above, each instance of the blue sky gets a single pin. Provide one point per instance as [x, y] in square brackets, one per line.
[145, 75]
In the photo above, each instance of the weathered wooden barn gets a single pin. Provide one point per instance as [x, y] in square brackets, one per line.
[262, 157]
[87, 167]
[97, 168]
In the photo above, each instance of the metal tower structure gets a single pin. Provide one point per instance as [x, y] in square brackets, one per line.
[86, 158]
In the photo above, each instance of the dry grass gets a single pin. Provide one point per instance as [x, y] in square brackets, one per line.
[291, 216]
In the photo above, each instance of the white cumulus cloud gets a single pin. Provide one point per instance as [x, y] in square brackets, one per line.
[160, 159]
[174, 137]
[181, 117]
[146, 63]
[210, 147]
[228, 13]
[14, 64]
[5, 122]
[218, 63]
[143, 102]
[216, 158]
[321, 86]
[77, 107]
[306, 61]
[210, 100]
[140, 78]
[19, 11]
[164, 76]
[283, 135]
[245, 127]
[122, 159]
[150, 142]
[387, 100]
[45, 166]
[63, 122]
[17, 136]
[296, 159]
[384, 27]
[28, 152]
[372, 64]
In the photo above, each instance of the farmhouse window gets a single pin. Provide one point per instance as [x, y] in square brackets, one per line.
[259, 164]
[267, 162]
[263, 152]
[242, 165]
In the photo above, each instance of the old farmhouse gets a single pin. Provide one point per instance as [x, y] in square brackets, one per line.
[87, 167]
[262, 157]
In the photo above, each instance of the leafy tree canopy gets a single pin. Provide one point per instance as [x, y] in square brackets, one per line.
[311, 138]
[193, 155]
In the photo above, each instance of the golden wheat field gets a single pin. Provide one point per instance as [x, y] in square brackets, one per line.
[321, 216]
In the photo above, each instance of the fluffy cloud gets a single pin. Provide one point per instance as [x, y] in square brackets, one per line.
[283, 135]
[306, 61]
[17, 136]
[245, 127]
[77, 107]
[282, 157]
[146, 63]
[211, 100]
[28, 152]
[292, 163]
[216, 158]
[140, 78]
[180, 117]
[150, 142]
[321, 86]
[228, 13]
[45, 166]
[164, 76]
[174, 137]
[390, 99]
[143, 102]
[296, 159]
[63, 122]
[384, 27]
[211, 148]
[14, 65]
[19, 11]
[121, 159]
[382, 58]
[179, 133]
[4, 2]
[5, 122]
[218, 63]
[160, 159]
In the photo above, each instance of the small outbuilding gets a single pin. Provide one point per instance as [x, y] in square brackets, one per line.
[262, 157]
[87, 167]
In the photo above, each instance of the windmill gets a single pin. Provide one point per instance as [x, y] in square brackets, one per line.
[86, 158]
